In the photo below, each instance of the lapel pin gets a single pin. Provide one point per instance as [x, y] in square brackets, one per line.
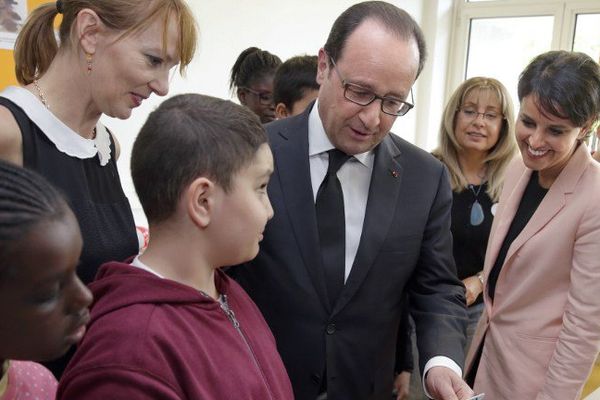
[394, 173]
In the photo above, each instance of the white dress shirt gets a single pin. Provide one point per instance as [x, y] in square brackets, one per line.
[354, 176]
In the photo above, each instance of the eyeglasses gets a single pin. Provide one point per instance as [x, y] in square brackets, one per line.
[470, 114]
[363, 97]
[264, 98]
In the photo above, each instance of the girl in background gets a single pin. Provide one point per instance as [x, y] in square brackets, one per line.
[252, 79]
[43, 304]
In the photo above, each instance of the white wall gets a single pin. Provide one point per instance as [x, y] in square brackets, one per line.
[288, 28]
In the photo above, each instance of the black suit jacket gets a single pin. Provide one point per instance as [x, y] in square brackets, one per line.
[405, 245]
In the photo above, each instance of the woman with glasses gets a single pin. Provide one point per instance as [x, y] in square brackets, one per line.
[476, 144]
[540, 331]
[252, 79]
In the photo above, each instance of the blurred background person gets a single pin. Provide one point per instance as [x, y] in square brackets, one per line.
[476, 143]
[252, 80]
[539, 334]
[295, 85]
[113, 55]
[43, 304]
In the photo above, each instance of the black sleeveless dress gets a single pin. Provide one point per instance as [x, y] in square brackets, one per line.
[93, 190]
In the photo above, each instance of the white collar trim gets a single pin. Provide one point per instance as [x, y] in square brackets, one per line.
[64, 138]
[139, 264]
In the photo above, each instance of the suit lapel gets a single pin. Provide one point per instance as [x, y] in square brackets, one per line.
[384, 190]
[290, 146]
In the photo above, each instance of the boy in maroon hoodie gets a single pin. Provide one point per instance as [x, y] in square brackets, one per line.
[169, 324]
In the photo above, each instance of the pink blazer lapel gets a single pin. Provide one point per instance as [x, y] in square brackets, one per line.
[552, 203]
[554, 200]
[514, 186]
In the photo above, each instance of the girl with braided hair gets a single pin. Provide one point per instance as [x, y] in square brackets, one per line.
[43, 304]
[252, 79]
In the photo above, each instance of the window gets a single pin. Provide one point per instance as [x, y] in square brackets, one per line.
[501, 47]
[587, 34]
[498, 38]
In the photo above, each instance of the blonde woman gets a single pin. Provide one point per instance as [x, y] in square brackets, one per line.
[476, 143]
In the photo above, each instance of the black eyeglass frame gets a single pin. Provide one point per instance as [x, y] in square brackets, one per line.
[405, 107]
[261, 96]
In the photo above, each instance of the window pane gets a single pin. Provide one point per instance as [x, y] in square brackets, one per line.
[502, 47]
[587, 35]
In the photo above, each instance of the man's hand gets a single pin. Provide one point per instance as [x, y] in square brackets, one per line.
[444, 384]
[402, 385]
[474, 288]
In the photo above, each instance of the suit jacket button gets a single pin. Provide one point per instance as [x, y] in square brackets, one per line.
[316, 379]
[330, 329]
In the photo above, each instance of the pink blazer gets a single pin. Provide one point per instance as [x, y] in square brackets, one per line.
[541, 335]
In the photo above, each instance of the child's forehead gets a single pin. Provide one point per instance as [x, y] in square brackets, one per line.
[260, 165]
[47, 251]
[263, 159]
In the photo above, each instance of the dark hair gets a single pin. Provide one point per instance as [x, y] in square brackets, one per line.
[565, 84]
[395, 19]
[36, 44]
[189, 136]
[26, 199]
[293, 78]
[252, 65]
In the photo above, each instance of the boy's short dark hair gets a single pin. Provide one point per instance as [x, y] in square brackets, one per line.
[293, 78]
[189, 136]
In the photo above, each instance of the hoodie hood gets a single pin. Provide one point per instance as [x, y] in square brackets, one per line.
[119, 285]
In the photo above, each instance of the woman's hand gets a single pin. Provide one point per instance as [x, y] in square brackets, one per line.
[474, 288]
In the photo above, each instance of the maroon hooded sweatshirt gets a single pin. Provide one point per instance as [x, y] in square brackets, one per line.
[153, 338]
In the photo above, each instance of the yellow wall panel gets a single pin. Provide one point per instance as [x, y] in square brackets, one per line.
[7, 64]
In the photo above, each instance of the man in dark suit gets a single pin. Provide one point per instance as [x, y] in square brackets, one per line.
[333, 298]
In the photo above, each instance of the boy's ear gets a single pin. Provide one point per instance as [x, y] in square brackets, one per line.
[281, 111]
[88, 27]
[199, 201]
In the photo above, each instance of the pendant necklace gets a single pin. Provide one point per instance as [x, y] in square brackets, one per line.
[40, 93]
[477, 215]
[36, 84]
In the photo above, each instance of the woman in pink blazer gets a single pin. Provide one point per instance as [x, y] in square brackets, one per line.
[540, 331]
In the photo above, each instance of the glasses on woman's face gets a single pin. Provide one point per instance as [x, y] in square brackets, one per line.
[363, 97]
[471, 114]
[264, 98]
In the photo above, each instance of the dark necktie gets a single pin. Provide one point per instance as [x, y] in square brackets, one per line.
[332, 226]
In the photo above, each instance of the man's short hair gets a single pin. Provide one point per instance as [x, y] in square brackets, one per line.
[189, 136]
[293, 78]
[395, 19]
